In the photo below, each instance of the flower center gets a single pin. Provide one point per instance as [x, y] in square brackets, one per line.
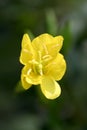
[38, 68]
[38, 64]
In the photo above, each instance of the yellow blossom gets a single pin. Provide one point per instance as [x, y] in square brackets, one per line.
[43, 64]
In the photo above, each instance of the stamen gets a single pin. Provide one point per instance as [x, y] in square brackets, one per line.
[45, 48]
[39, 53]
[40, 69]
[33, 61]
[25, 50]
[28, 72]
[47, 57]
[55, 46]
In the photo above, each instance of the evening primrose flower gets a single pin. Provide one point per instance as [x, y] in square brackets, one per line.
[43, 64]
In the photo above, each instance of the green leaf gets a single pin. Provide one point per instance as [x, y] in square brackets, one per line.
[66, 33]
[51, 22]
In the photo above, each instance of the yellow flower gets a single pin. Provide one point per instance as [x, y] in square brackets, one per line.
[43, 64]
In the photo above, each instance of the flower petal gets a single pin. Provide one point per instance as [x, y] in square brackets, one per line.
[50, 88]
[27, 50]
[39, 43]
[55, 46]
[25, 84]
[56, 68]
[30, 76]
[47, 44]
[59, 42]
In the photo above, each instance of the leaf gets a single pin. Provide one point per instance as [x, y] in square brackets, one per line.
[51, 22]
[66, 33]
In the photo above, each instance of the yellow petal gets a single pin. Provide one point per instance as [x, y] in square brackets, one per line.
[30, 76]
[56, 68]
[39, 43]
[59, 42]
[27, 50]
[50, 88]
[47, 44]
[55, 46]
[25, 84]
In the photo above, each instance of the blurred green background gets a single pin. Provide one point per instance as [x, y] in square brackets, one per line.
[29, 110]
